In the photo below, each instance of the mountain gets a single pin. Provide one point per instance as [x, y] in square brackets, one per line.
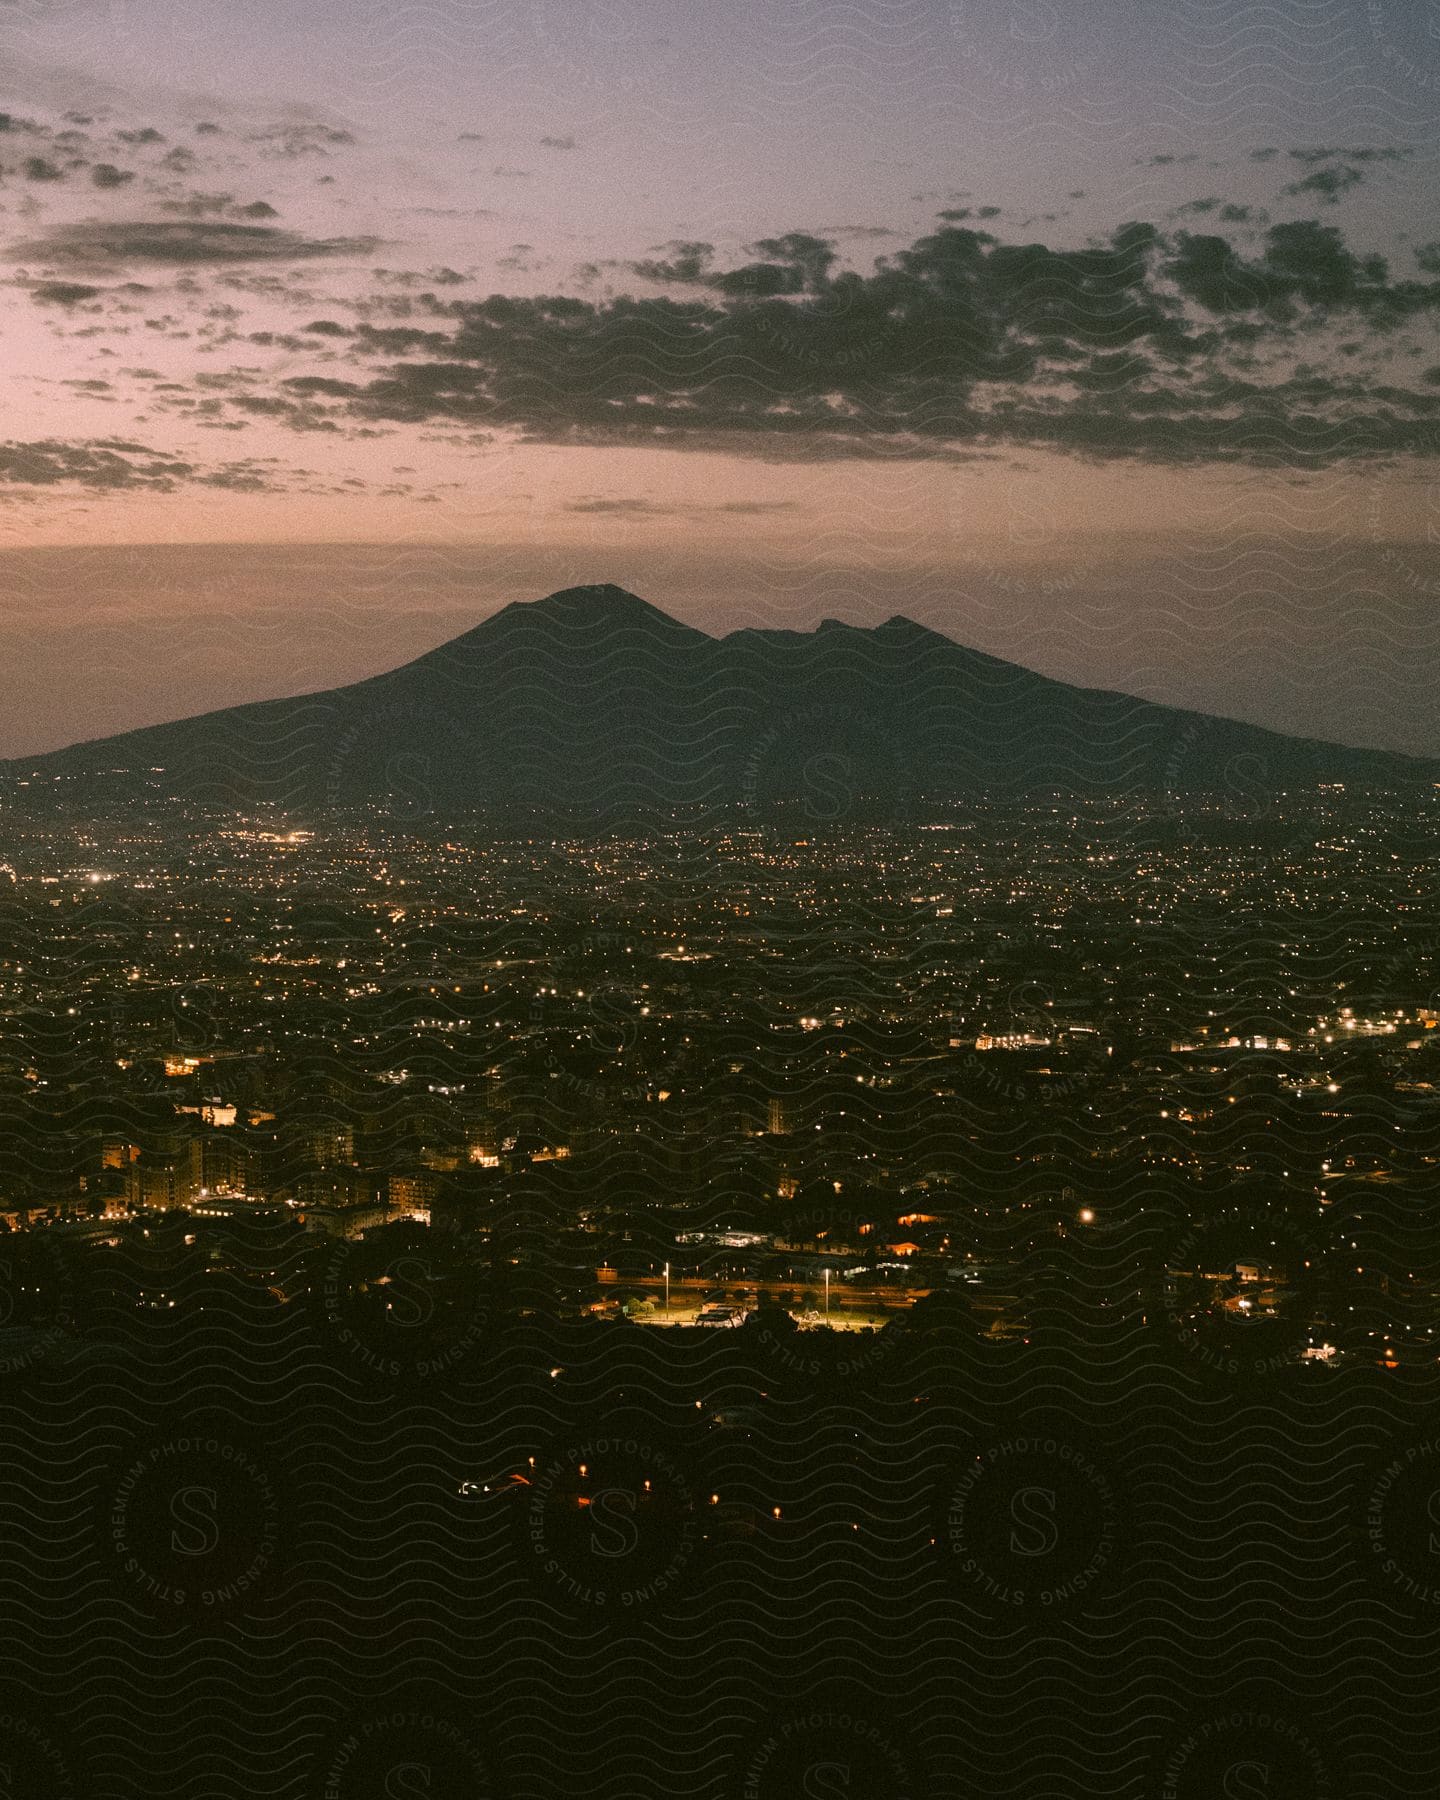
[594, 702]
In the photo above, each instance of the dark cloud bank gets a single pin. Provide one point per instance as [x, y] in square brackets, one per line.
[1287, 347]
[1173, 347]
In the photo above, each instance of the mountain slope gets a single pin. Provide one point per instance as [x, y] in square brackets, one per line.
[593, 701]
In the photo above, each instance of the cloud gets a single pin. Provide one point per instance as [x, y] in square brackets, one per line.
[683, 260]
[214, 206]
[91, 244]
[410, 278]
[106, 464]
[1304, 265]
[296, 141]
[453, 212]
[63, 293]
[522, 259]
[1170, 348]
[634, 507]
[619, 508]
[200, 206]
[1360, 153]
[1334, 170]
[1175, 342]
[1329, 182]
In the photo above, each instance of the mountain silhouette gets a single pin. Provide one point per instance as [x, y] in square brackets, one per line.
[595, 702]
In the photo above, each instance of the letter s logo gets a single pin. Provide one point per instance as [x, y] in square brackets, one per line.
[615, 1017]
[195, 1021]
[196, 1532]
[1246, 1781]
[411, 794]
[827, 1780]
[612, 1522]
[1034, 1532]
[828, 790]
[407, 1779]
[410, 1305]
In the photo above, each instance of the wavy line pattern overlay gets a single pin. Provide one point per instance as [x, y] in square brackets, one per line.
[799, 1210]
[379, 1411]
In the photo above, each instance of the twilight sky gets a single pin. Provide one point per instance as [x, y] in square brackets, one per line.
[1101, 337]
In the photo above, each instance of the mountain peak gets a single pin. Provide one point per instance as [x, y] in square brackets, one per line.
[599, 599]
[898, 626]
[583, 618]
[600, 606]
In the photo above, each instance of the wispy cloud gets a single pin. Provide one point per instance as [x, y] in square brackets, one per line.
[123, 241]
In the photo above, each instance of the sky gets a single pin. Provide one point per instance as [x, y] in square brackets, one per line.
[1102, 338]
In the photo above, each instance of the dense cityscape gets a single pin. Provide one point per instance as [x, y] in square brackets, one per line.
[582, 1248]
[1070, 1071]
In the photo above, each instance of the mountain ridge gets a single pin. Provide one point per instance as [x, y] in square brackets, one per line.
[593, 699]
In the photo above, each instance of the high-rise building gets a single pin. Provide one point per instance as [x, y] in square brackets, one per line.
[165, 1180]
